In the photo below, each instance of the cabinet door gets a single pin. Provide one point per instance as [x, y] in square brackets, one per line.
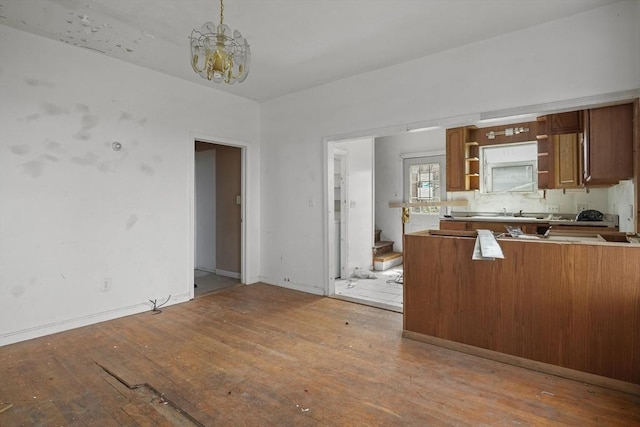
[567, 160]
[609, 149]
[455, 159]
[570, 122]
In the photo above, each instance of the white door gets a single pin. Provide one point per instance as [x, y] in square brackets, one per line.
[424, 181]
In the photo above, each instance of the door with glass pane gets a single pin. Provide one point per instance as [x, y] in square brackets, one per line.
[424, 181]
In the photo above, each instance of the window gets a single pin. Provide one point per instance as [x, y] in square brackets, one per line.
[509, 168]
[424, 186]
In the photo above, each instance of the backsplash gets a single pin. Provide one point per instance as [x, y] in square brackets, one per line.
[617, 199]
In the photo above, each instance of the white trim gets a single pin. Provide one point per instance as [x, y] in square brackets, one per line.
[422, 154]
[297, 286]
[225, 273]
[78, 322]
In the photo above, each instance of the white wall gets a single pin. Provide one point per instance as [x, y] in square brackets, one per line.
[88, 233]
[205, 205]
[588, 54]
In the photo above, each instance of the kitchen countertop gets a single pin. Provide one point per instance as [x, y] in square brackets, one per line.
[541, 218]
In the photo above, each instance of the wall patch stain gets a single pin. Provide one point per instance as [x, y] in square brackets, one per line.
[82, 108]
[36, 82]
[105, 166]
[126, 116]
[88, 123]
[87, 160]
[82, 135]
[53, 146]
[32, 117]
[33, 168]
[49, 157]
[132, 221]
[146, 169]
[17, 291]
[54, 110]
[20, 150]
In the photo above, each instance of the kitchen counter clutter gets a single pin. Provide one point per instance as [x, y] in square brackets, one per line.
[608, 220]
[531, 223]
[569, 307]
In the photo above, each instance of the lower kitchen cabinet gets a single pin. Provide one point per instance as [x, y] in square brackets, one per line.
[571, 307]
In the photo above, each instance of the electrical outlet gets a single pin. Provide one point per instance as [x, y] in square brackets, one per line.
[553, 208]
[582, 207]
[106, 285]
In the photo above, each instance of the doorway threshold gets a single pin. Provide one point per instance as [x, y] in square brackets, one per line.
[376, 304]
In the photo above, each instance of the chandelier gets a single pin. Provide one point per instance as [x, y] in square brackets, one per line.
[217, 55]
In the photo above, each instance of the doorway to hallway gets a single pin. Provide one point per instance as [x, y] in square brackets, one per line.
[218, 216]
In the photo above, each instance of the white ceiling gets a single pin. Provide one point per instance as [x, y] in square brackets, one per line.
[296, 44]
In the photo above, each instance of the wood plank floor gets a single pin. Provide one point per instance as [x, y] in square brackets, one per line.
[263, 355]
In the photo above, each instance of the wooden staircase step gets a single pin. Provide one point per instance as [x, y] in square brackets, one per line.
[388, 260]
[381, 247]
[387, 256]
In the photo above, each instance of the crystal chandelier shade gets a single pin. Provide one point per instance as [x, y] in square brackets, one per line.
[219, 55]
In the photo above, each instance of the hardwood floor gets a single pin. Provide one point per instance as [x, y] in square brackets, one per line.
[263, 355]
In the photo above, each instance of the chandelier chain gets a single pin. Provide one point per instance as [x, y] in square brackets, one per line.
[221, 12]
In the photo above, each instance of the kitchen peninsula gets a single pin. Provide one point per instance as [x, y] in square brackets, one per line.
[570, 308]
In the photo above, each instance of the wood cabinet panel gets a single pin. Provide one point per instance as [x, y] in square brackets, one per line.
[453, 225]
[609, 156]
[455, 159]
[574, 306]
[568, 170]
[611, 311]
[498, 226]
[570, 122]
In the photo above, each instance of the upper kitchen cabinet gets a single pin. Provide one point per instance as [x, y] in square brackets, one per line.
[564, 123]
[463, 164]
[560, 150]
[568, 166]
[608, 151]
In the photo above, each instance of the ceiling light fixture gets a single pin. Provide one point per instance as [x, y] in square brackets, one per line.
[218, 56]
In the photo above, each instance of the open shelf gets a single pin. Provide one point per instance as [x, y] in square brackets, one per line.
[472, 162]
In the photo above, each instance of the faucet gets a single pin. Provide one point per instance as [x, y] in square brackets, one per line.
[504, 211]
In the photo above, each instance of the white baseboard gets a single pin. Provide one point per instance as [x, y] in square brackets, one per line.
[303, 287]
[225, 273]
[78, 322]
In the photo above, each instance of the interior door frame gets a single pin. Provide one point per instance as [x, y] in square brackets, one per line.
[344, 197]
[243, 203]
